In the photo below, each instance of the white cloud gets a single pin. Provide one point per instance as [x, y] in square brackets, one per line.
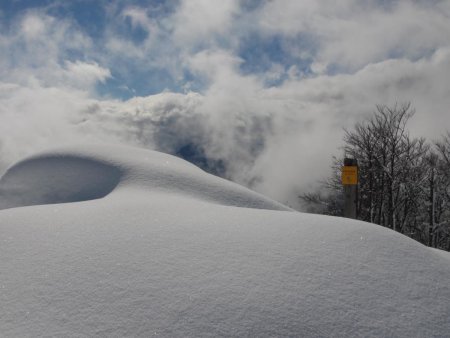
[278, 139]
[214, 65]
[138, 17]
[82, 74]
[353, 33]
[198, 21]
[125, 48]
[33, 26]
[34, 118]
[36, 48]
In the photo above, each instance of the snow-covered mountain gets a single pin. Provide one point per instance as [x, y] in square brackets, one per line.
[110, 241]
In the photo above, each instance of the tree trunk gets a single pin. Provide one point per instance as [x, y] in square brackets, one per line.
[432, 207]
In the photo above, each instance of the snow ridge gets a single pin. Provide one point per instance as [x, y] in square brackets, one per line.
[77, 174]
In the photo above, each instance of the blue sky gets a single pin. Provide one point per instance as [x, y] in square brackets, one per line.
[252, 87]
[98, 20]
[94, 19]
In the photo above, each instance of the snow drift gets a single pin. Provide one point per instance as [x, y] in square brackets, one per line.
[70, 175]
[121, 242]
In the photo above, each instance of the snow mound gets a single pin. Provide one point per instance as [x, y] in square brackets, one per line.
[91, 172]
[168, 253]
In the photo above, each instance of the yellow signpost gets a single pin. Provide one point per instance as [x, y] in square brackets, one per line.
[349, 180]
[349, 175]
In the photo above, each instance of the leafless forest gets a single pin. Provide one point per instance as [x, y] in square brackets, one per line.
[404, 181]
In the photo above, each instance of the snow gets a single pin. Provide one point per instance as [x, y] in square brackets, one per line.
[120, 242]
[85, 173]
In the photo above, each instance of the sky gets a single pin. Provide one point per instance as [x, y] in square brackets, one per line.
[255, 91]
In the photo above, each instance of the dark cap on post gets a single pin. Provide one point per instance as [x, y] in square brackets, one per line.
[350, 161]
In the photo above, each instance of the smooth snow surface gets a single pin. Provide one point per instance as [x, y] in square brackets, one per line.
[73, 175]
[153, 246]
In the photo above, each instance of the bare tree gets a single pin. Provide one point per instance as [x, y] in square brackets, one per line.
[387, 156]
[404, 183]
[442, 226]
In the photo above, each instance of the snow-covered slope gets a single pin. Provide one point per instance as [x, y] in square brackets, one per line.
[143, 244]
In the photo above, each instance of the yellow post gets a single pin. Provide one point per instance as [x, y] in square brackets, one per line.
[349, 179]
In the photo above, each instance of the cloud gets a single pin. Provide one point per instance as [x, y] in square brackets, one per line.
[138, 18]
[82, 74]
[351, 34]
[33, 27]
[37, 47]
[200, 21]
[272, 128]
